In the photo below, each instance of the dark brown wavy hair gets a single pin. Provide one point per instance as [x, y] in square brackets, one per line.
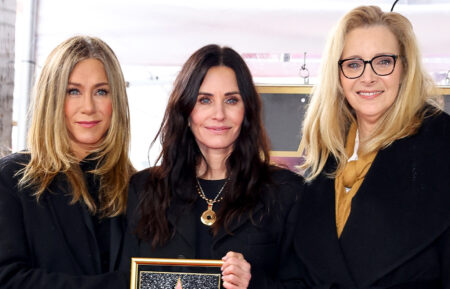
[247, 166]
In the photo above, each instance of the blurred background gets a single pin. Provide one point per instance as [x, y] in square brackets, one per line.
[282, 42]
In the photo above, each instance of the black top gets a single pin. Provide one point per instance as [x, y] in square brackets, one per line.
[264, 238]
[101, 225]
[398, 232]
[53, 243]
[204, 235]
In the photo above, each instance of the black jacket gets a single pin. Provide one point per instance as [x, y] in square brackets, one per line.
[266, 245]
[50, 243]
[398, 232]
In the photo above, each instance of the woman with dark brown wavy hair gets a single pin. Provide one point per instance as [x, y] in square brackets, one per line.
[214, 194]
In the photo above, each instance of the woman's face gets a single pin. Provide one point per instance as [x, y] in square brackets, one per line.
[88, 106]
[219, 111]
[371, 95]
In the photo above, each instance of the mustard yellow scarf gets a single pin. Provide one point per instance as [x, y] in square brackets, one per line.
[350, 176]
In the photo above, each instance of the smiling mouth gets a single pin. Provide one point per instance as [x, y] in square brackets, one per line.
[218, 129]
[369, 94]
[88, 124]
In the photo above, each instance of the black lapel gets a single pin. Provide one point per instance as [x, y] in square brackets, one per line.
[394, 214]
[235, 225]
[117, 235]
[76, 231]
[182, 218]
[87, 218]
[316, 239]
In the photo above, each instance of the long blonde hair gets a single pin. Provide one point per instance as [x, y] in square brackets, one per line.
[48, 139]
[329, 115]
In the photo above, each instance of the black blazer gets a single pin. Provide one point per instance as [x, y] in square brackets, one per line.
[398, 231]
[50, 243]
[266, 245]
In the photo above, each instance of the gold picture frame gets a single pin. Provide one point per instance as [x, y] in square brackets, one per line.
[283, 126]
[152, 273]
[288, 90]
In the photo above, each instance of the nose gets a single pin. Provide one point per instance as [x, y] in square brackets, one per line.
[368, 75]
[88, 104]
[219, 110]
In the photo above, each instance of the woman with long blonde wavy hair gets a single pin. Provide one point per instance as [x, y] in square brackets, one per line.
[62, 200]
[376, 209]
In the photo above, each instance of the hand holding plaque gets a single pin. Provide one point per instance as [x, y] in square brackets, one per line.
[235, 271]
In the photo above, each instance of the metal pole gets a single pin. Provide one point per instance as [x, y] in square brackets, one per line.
[25, 69]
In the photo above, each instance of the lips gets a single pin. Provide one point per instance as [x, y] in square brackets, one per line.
[369, 94]
[218, 129]
[88, 124]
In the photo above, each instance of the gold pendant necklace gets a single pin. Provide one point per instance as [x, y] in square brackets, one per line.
[209, 216]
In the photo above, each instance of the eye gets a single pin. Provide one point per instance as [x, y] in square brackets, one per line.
[73, 91]
[102, 92]
[232, 100]
[353, 64]
[204, 100]
[384, 61]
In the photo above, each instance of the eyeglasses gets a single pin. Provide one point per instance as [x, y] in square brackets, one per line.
[382, 65]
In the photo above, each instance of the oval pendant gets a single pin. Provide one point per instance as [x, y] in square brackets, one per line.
[208, 217]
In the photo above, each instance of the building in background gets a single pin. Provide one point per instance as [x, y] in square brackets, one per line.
[7, 35]
[281, 41]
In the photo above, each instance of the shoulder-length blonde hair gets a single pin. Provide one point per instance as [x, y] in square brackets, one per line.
[48, 139]
[329, 115]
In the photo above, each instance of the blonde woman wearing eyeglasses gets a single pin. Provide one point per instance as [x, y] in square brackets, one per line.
[376, 211]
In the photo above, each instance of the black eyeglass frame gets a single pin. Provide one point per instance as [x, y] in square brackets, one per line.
[394, 56]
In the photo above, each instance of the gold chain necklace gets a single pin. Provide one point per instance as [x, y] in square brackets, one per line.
[209, 216]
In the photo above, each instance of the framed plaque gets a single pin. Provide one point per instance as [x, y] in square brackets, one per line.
[157, 273]
[283, 113]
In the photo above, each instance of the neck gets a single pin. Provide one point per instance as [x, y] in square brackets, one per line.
[214, 168]
[80, 155]
[81, 151]
[365, 130]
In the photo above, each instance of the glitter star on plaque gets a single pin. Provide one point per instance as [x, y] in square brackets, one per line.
[178, 286]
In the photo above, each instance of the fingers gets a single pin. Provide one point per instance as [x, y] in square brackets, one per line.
[235, 271]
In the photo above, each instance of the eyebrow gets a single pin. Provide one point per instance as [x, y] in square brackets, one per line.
[80, 85]
[226, 94]
[378, 54]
